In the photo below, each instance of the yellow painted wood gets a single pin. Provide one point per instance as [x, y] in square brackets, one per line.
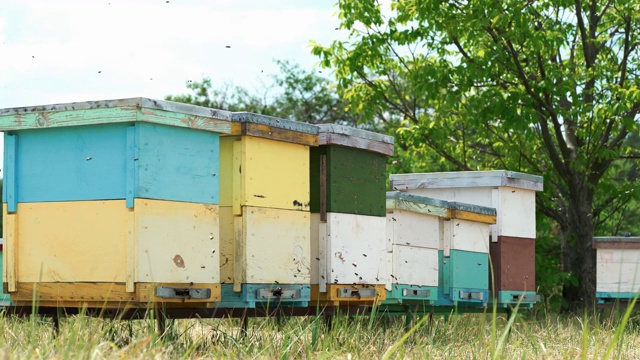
[80, 241]
[239, 253]
[272, 246]
[132, 249]
[9, 273]
[146, 292]
[472, 216]
[177, 242]
[269, 173]
[331, 296]
[104, 295]
[226, 169]
[226, 244]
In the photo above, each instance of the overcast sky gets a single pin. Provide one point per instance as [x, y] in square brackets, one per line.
[65, 51]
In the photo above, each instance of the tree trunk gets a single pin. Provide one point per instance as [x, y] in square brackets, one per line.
[579, 257]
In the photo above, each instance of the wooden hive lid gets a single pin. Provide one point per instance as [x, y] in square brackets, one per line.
[333, 134]
[115, 111]
[466, 179]
[616, 242]
[441, 208]
[269, 127]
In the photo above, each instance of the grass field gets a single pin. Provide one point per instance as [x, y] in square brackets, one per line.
[598, 335]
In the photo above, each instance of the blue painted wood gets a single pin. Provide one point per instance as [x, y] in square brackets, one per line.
[9, 187]
[113, 161]
[247, 298]
[74, 163]
[178, 164]
[463, 270]
[132, 166]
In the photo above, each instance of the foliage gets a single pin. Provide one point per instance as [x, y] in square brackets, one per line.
[296, 94]
[545, 87]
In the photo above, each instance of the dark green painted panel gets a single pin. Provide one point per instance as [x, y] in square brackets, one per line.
[314, 173]
[356, 182]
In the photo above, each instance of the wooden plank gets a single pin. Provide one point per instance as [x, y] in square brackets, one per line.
[514, 263]
[323, 256]
[357, 143]
[227, 169]
[274, 122]
[77, 291]
[494, 178]
[517, 212]
[227, 241]
[131, 163]
[356, 181]
[239, 253]
[435, 208]
[314, 177]
[178, 242]
[467, 235]
[174, 119]
[276, 246]
[10, 181]
[147, 292]
[238, 177]
[469, 270]
[616, 242]
[618, 270]
[88, 163]
[274, 174]
[314, 249]
[415, 229]
[333, 294]
[357, 249]
[81, 241]
[119, 110]
[9, 254]
[351, 132]
[413, 265]
[178, 164]
[278, 134]
[40, 119]
[323, 187]
[131, 237]
[472, 216]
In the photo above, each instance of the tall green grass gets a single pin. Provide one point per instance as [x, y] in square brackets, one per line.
[599, 334]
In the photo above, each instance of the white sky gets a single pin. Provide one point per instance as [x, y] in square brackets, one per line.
[64, 51]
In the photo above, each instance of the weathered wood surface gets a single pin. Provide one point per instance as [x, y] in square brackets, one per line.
[616, 242]
[514, 263]
[356, 250]
[515, 207]
[114, 161]
[495, 178]
[226, 244]
[273, 128]
[618, 270]
[145, 292]
[380, 147]
[104, 241]
[115, 111]
[441, 208]
[329, 129]
[272, 246]
[413, 228]
[464, 269]
[314, 249]
[177, 242]
[465, 235]
[270, 174]
[332, 296]
[413, 265]
[9, 253]
[227, 174]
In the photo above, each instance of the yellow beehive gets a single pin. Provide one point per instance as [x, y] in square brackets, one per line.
[264, 202]
[100, 253]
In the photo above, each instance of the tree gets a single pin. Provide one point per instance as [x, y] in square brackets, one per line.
[299, 95]
[546, 87]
